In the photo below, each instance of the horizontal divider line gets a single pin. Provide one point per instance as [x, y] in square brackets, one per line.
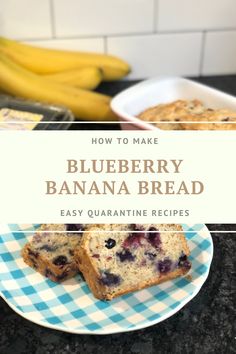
[118, 122]
[123, 231]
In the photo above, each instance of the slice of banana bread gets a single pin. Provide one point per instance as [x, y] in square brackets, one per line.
[121, 262]
[52, 253]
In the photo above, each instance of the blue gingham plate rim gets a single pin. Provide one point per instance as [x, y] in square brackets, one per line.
[194, 229]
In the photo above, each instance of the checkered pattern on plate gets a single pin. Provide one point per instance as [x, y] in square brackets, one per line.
[71, 307]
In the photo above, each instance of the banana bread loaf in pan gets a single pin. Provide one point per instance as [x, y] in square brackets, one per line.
[184, 113]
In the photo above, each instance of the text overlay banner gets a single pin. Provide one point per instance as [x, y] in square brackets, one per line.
[118, 177]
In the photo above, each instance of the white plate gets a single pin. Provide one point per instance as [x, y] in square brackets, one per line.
[71, 307]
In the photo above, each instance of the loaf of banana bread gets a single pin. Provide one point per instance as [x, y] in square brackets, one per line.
[183, 114]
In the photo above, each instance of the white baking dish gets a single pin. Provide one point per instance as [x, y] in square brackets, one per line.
[148, 93]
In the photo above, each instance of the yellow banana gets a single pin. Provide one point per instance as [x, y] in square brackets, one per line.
[86, 78]
[84, 104]
[48, 61]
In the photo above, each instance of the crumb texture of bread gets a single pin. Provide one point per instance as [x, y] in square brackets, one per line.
[181, 112]
[51, 253]
[120, 262]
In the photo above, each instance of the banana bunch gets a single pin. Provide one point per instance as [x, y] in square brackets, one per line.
[87, 78]
[59, 77]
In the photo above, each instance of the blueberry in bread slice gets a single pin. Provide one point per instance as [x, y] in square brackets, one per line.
[52, 253]
[121, 262]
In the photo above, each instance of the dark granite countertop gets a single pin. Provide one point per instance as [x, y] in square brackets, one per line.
[207, 324]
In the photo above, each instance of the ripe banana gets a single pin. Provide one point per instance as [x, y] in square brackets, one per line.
[85, 78]
[48, 61]
[84, 104]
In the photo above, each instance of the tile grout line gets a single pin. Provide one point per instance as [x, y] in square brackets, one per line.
[202, 52]
[155, 14]
[188, 30]
[52, 18]
[149, 33]
[46, 39]
[105, 44]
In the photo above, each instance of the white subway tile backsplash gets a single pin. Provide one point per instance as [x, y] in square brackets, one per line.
[219, 53]
[102, 17]
[83, 44]
[26, 19]
[175, 15]
[157, 37]
[160, 54]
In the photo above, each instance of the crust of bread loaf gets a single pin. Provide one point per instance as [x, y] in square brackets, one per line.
[161, 227]
[42, 265]
[184, 244]
[87, 266]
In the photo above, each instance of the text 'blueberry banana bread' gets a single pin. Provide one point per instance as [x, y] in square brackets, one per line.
[52, 253]
[121, 262]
